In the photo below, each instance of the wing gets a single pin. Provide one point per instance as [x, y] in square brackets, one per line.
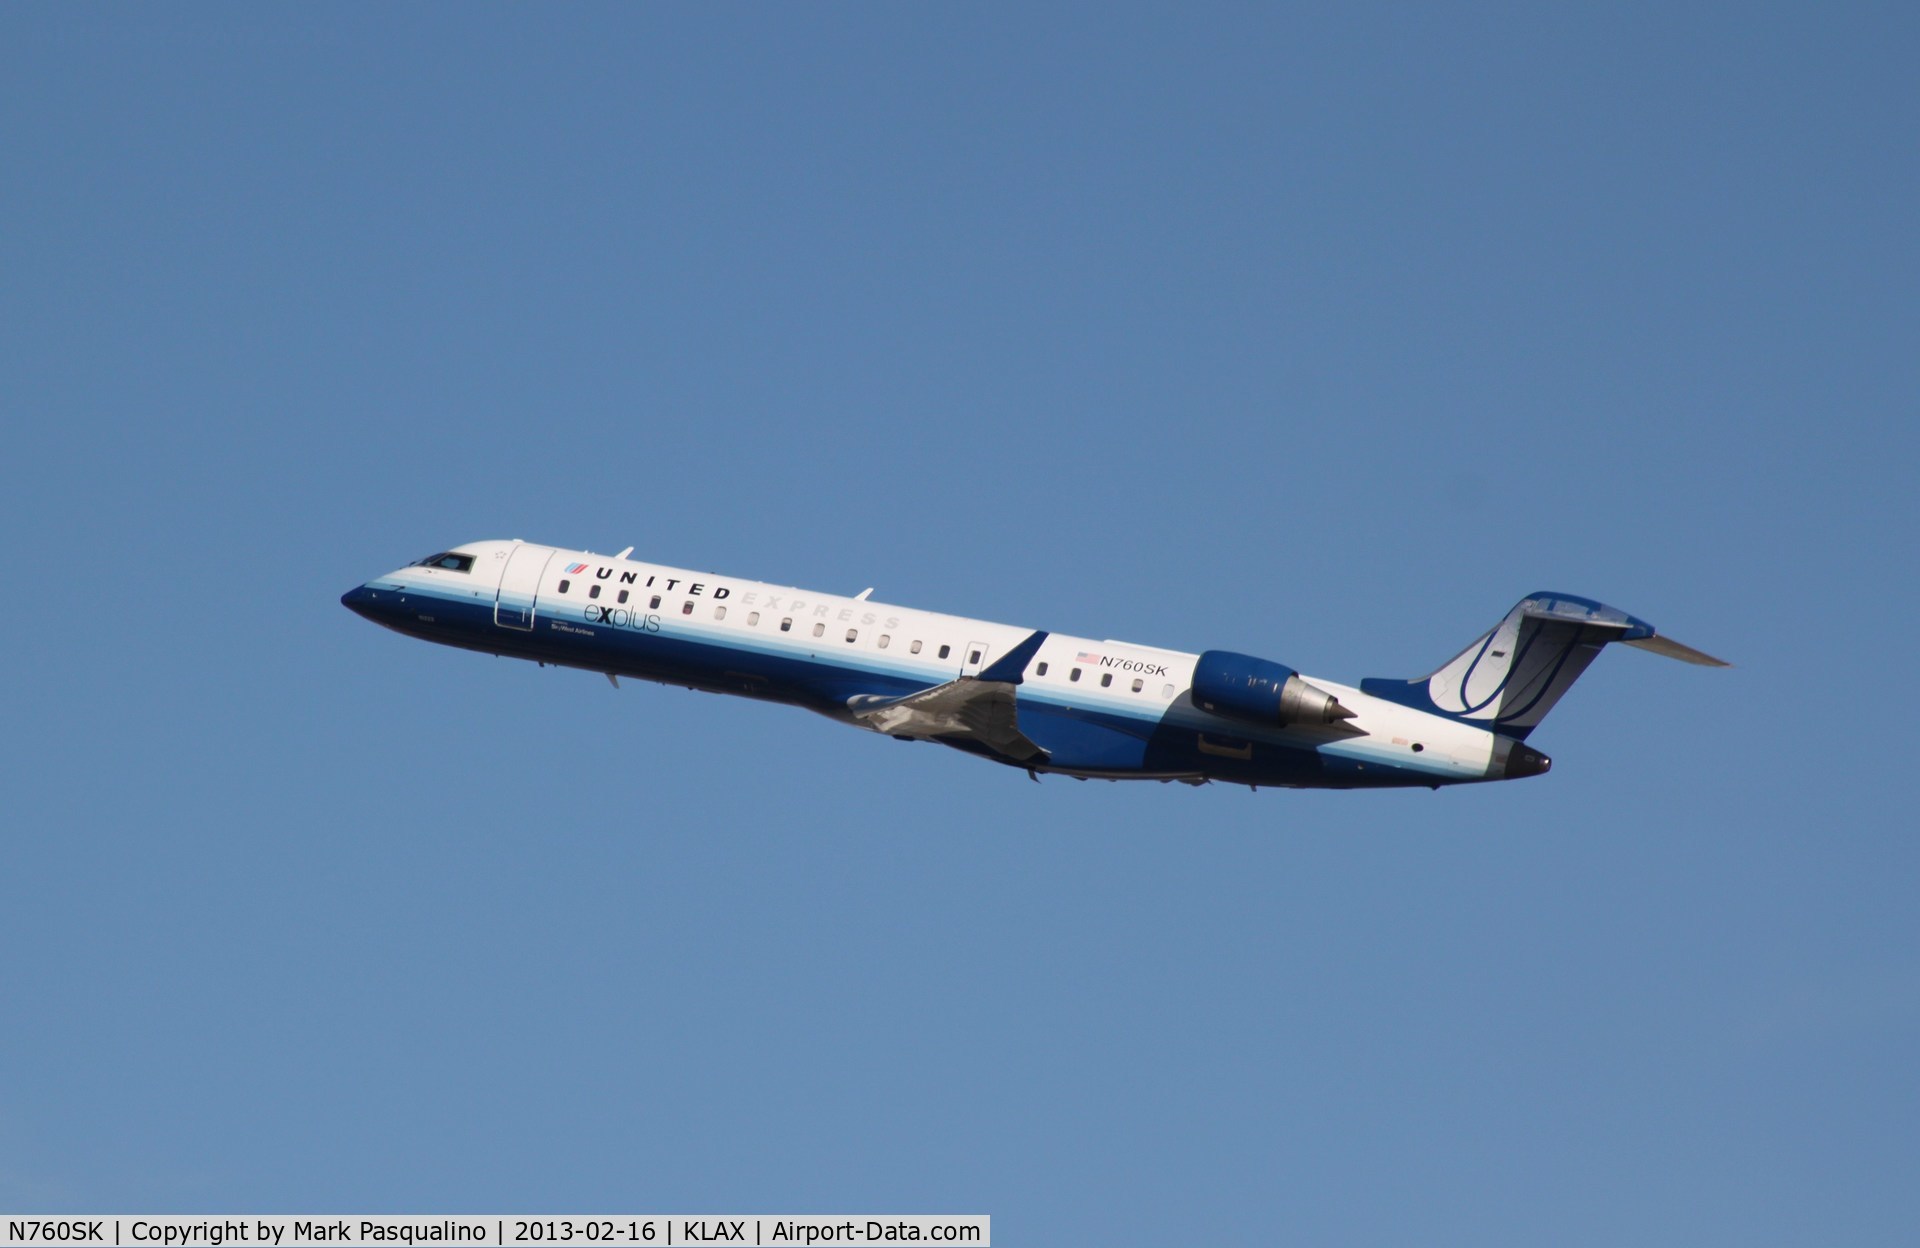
[980, 709]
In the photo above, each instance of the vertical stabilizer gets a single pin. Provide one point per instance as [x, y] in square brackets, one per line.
[1509, 678]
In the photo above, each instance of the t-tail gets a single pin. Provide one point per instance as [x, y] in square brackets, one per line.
[1510, 678]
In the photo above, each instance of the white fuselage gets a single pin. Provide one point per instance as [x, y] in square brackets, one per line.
[1093, 707]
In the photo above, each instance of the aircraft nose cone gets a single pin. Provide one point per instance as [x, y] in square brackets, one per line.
[359, 600]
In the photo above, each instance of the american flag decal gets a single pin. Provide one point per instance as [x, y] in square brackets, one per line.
[1087, 658]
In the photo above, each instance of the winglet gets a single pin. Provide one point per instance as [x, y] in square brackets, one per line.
[1009, 666]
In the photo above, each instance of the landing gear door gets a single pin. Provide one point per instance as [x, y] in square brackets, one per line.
[973, 658]
[520, 586]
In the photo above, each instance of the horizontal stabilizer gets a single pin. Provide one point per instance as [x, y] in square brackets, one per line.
[1674, 650]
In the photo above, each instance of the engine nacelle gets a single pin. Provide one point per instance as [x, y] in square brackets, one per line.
[1240, 686]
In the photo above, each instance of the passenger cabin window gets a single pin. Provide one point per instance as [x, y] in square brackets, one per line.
[686, 608]
[719, 613]
[786, 625]
[1041, 670]
[563, 586]
[593, 591]
[753, 619]
[851, 634]
[1106, 680]
[884, 639]
[1074, 674]
[1167, 692]
[973, 657]
[623, 597]
[819, 630]
[1138, 684]
[655, 604]
[945, 651]
[914, 648]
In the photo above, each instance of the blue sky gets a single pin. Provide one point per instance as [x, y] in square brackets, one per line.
[1319, 334]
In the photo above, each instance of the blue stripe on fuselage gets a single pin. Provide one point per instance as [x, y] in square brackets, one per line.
[1079, 736]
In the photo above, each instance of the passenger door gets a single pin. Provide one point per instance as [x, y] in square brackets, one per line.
[513, 603]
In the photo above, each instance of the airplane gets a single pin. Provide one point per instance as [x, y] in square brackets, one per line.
[1045, 702]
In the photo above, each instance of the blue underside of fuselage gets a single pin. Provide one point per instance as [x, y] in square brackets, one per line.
[1079, 740]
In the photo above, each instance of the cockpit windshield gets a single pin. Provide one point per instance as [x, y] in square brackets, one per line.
[446, 559]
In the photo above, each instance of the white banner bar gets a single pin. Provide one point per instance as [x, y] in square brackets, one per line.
[372, 1230]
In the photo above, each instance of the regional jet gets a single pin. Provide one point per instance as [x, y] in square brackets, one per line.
[1044, 702]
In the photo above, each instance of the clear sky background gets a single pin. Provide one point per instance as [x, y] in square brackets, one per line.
[1323, 334]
